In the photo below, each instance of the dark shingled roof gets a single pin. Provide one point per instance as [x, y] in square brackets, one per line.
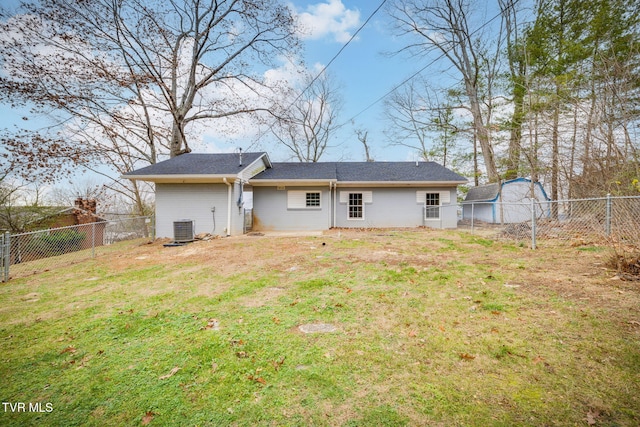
[361, 172]
[280, 171]
[395, 171]
[483, 192]
[228, 164]
[198, 164]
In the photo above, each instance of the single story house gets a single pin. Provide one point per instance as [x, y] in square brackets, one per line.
[506, 202]
[207, 191]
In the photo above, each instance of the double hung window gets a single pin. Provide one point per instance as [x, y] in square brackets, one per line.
[432, 206]
[356, 206]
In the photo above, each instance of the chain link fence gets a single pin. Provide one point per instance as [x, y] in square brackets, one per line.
[37, 251]
[612, 220]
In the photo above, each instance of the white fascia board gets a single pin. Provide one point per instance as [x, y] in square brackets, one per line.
[255, 167]
[399, 183]
[182, 179]
[290, 183]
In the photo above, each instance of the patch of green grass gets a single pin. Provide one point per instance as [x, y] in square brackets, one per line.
[592, 248]
[425, 338]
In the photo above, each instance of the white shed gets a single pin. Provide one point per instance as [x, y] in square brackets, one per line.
[506, 202]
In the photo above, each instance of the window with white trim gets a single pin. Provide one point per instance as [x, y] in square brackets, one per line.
[301, 199]
[432, 206]
[312, 199]
[356, 206]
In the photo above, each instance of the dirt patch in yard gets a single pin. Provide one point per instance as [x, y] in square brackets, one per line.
[569, 272]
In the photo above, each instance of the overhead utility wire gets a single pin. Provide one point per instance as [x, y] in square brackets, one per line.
[417, 73]
[353, 36]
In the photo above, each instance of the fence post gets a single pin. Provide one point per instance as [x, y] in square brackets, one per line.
[93, 240]
[607, 220]
[472, 215]
[6, 255]
[152, 221]
[533, 224]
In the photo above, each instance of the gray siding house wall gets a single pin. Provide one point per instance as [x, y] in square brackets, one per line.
[175, 202]
[205, 204]
[278, 209]
[397, 207]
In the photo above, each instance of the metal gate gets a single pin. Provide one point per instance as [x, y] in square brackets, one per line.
[248, 220]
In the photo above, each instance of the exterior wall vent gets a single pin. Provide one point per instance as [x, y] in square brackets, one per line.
[183, 231]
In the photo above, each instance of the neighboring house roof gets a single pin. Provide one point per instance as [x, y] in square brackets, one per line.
[198, 166]
[491, 192]
[37, 217]
[360, 172]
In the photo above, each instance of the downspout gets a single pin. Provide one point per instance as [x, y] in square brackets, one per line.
[335, 192]
[329, 210]
[229, 191]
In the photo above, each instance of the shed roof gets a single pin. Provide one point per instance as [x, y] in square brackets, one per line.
[488, 192]
[491, 192]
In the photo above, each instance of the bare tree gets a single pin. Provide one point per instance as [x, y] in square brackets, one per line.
[307, 125]
[408, 111]
[363, 136]
[444, 26]
[419, 119]
[124, 81]
[517, 82]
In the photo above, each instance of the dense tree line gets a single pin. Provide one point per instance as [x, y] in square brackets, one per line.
[555, 96]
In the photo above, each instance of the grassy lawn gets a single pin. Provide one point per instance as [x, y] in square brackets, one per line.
[432, 328]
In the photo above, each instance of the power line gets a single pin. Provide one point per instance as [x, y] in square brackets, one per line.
[344, 46]
[417, 73]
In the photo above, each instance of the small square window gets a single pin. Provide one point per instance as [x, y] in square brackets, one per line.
[313, 200]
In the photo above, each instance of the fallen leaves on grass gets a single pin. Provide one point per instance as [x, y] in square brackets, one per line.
[592, 417]
[257, 379]
[148, 417]
[277, 363]
[212, 324]
[69, 349]
[170, 374]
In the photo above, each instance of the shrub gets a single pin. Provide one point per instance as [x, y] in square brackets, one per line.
[56, 243]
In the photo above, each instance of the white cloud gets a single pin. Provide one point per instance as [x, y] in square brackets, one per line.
[331, 18]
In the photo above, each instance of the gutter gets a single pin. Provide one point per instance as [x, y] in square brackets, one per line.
[229, 190]
[426, 184]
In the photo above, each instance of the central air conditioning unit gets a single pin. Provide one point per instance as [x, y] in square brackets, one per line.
[183, 231]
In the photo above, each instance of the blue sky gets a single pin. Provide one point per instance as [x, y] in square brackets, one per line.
[364, 70]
